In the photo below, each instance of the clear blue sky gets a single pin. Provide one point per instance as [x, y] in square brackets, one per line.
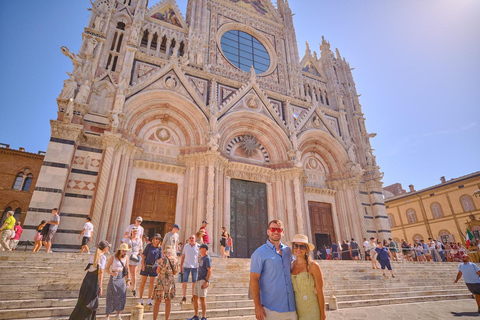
[417, 66]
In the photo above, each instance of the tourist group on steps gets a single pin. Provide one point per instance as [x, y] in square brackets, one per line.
[285, 282]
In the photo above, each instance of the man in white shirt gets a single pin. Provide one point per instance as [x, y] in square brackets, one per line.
[365, 247]
[140, 231]
[189, 265]
[172, 238]
[87, 235]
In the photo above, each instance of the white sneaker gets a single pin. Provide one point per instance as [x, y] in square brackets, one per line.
[149, 302]
[140, 301]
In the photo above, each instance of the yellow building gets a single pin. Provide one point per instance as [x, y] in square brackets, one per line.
[443, 211]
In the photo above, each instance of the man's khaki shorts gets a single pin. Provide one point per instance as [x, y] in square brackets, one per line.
[198, 291]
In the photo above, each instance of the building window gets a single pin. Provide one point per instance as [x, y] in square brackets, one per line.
[417, 237]
[467, 203]
[17, 214]
[245, 51]
[412, 217]
[445, 236]
[17, 185]
[115, 47]
[27, 183]
[391, 219]
[436, 210]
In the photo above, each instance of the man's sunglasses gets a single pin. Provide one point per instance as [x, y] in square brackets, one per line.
[301, 246]
[279, 230]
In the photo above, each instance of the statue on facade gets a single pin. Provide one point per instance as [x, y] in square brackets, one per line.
[69, 88]
[90, 46]
[67, 118]
[83, 92]
[98, 22]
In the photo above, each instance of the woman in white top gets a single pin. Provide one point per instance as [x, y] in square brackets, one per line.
[91, 288]
[134, 256]
[119, 282]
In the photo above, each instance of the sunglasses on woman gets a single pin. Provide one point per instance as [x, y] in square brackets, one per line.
[299, 246]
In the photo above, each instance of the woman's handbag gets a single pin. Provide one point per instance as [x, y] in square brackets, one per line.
[125, 270]
[93, 305]
[149, 268]
[134, 257]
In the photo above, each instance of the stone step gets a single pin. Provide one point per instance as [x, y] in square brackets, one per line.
[246, 313]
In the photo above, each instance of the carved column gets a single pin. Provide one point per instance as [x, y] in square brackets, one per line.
[270, 198]
[227, 193]
[149, 42]
[298, 190]
[110, 141]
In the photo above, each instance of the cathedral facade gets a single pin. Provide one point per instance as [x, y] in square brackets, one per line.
[212, 116]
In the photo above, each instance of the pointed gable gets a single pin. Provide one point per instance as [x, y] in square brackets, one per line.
[311, 67]
[260, 7]
[167, 12]
[171, 77]
[251, 98]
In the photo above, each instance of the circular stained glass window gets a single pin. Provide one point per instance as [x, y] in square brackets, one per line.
[245, 51]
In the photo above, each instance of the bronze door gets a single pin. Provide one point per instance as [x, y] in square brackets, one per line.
[155, 202]
[321, 220]
[248, 216]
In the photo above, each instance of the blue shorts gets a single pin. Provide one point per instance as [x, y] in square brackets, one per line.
[187, 271]
[385, 263]
[152, 274]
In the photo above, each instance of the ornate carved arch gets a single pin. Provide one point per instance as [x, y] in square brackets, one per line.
[321, 143]
[188, 121]
[265, 130]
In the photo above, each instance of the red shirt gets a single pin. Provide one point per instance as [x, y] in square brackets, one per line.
[18, 232]
[206, 237]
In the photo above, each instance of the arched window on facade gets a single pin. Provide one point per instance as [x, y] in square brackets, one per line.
[27, 182]
[417, 237]
[445, 236]
[17, 185]
[467, 203]
[17, 214]
[436, 210]
[412, 216]
[115, 47]
[4, 215]
[391, 220]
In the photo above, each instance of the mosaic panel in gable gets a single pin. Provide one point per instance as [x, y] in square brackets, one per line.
[224, 92]
[298, 113]
[254, 6]
[167, 15]
[142, 70]
[333, 122]
[309, 67]
[200, 85]
[278, 106]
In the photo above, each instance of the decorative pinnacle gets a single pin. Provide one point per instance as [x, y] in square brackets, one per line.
[253, 75]
[307, 49]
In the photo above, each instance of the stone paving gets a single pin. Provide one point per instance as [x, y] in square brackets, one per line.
[437, 310]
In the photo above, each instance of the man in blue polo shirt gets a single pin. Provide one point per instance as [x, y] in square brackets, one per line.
[270, 280]
[471, 276]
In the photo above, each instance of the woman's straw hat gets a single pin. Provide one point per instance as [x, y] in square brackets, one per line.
[300, 238]
[124, 247]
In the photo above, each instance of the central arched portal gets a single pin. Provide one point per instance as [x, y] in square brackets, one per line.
[248, 216]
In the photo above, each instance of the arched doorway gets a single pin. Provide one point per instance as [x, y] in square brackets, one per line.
[155, 202]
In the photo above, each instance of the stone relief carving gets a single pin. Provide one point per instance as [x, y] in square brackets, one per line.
[249, 145]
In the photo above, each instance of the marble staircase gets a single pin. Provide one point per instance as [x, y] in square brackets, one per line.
[45, 286]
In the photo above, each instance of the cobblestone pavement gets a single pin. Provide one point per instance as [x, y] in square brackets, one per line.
[438, 310]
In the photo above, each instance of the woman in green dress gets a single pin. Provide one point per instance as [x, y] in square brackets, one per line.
[307, 281]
